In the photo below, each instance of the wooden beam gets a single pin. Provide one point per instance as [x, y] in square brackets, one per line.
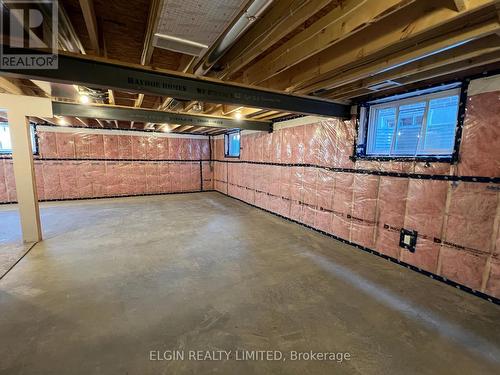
[276, 115]
[453, 68]
[147, 49]
[44, 86]
[265, 114]
[432, 47]
[460, 53]
[91, 23]
[445, 70]
[457, 5]
[413, 26]
[228, 109]
[9, 87]
[340, 23]
[184, 128]
[139, 100]
[83, 121]
[283, 17]
[153, 19]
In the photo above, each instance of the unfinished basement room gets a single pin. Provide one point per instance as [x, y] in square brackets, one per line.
[250, 187]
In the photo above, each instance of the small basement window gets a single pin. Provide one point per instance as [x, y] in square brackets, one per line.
[420, 126]
[232, 145]
[5, 143]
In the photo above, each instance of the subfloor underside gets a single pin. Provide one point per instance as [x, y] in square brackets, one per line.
[118, 281]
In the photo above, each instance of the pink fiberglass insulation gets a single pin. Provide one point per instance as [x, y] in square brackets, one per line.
[124, 147]
[286, 145]
[391, 205]
[342, 205]
[47, 144]
[65, 144]
[208, 183]
[82, 146]
[4, 196]
[457, 222]
[480, 146]
[471, 215]
[9, 181]
[493, 281]
[91, 166]
[111, 146]
[364, 207]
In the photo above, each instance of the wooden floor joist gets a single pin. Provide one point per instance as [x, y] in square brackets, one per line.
[471, 50]
[337, 25]
[382, 39]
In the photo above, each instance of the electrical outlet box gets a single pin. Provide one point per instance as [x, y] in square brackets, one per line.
[408, 239]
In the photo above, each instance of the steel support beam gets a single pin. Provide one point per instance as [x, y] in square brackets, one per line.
[101, 73]
[107, 112]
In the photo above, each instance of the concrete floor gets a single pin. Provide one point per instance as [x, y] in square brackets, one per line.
[116, 279]
[12, 247]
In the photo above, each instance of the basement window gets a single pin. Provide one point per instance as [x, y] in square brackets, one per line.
[232, 145]
[5, 142]
[416, 127]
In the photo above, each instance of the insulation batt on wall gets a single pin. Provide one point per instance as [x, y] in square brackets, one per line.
[88, 163]
[457, 221]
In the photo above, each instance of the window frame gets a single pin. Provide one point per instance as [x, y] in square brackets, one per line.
[34, 146]
[367, 109]
[226, 144]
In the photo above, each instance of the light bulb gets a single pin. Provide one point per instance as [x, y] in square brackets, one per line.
[84, 99]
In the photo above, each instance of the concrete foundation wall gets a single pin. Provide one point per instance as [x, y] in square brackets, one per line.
[305, 173]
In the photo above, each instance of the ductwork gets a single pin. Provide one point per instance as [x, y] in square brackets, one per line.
[254, 10]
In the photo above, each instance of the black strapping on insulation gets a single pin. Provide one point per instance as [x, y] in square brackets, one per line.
[443, 279]
[460, 122]
[115, 160]
[419, 176]
[123, 160]
[374, 252]
[479, 179]
[367, 222]
[201, 175]
[115, 196]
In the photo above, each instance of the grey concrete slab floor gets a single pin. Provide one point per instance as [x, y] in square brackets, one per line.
[12, 247]
[119, 282]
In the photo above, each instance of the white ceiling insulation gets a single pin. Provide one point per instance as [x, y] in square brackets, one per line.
[191, 26]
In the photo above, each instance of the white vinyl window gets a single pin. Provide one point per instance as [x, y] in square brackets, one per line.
[424, 126]
[5, 144]
[232, 145]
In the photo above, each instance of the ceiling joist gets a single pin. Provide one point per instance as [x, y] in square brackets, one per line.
[281, 19]
[337, 25]
[91, 23]
[406, 30]
[464, 53]
[433, 47]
